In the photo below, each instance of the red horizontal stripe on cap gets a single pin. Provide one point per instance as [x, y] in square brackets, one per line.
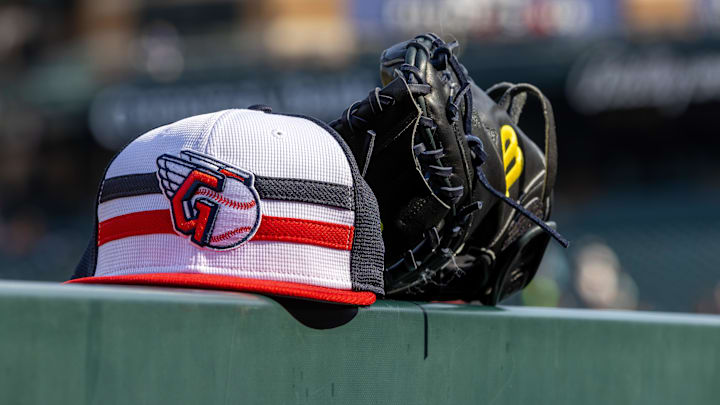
[137, 223]
[335, 236]
[295, 230]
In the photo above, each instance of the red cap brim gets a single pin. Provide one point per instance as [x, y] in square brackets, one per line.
[222, 282]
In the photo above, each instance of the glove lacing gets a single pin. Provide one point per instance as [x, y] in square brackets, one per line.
[429, 154]
[443, 56]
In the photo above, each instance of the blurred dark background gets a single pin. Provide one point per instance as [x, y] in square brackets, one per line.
[635, 85]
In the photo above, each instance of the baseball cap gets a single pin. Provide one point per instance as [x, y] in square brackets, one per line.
[240, 199]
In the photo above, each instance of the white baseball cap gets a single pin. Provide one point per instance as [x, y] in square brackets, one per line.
[242, 200]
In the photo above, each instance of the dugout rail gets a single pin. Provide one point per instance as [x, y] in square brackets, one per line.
[62, 344]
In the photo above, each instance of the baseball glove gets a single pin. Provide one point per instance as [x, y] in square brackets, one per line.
[463, 193]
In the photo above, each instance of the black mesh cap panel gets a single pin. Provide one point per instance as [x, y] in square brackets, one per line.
[367, 256]
[88, 261]
[368, 251]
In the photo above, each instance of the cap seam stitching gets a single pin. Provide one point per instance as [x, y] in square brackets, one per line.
[209, 131]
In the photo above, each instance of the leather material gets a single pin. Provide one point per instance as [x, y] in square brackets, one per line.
[409, 206]
[449, 230]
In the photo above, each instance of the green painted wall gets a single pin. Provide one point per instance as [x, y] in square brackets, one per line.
[116, 345]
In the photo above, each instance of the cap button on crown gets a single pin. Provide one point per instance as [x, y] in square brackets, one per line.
[261, 107]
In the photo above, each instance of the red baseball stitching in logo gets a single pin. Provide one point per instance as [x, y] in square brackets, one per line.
[238, 205]
[230, 234]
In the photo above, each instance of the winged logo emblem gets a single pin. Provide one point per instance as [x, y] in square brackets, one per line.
[213, 203]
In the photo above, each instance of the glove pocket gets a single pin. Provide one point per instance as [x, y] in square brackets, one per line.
[408, 206]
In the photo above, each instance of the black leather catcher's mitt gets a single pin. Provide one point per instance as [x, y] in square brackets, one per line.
[463, 193]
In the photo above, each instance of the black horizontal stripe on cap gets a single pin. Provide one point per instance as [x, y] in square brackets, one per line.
[316, 192]
[268, 188]
[129, 186]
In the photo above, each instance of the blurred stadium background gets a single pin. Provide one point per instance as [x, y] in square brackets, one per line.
[635, 85]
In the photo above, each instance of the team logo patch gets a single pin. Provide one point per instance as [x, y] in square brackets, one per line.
[511, 152]
[213, 203]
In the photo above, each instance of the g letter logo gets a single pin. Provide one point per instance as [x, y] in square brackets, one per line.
[212, 202]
